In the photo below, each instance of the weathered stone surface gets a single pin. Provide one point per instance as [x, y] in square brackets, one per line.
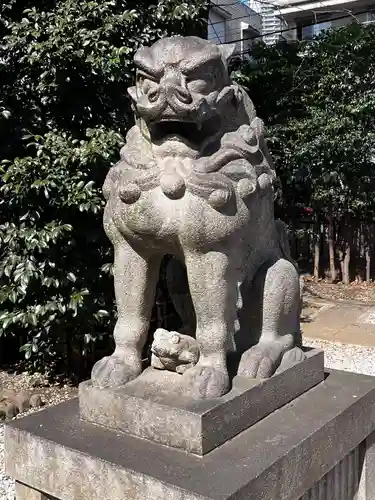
[366, 490]
[342, 482]
[35, 401]
[8, 410]
[195, 181]
[23, 492]
[22, 401]
[173, 351]
[281, 457]
[12, 403]
[154, 407]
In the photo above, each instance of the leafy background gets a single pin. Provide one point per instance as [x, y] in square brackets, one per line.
[65, 67]
[318, 101]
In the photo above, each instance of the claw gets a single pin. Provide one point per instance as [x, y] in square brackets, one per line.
[205, 382]
[263, 359]
[111, 371]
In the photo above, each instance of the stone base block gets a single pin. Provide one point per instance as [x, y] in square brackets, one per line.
[148, 409]
[23, 492]
[318, 446]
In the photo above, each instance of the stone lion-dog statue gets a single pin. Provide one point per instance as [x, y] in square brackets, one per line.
[195, 181]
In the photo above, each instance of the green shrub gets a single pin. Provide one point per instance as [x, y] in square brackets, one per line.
[65, 66]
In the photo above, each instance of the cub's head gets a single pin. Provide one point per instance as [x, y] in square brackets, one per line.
[168, 344]
[182, 89]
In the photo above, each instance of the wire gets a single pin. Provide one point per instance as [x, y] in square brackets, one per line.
[246, 16]
[249, 51]
[291, 29]
[216, 33]
[251, 27]
[226, 4]
[262, 2]
[213, 27]
[275, 9]
[278, 18]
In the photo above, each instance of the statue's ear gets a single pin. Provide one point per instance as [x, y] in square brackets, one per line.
[227, 50]
[132, 91]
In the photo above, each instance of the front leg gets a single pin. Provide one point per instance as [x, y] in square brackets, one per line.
[135, 282]
[213, 288]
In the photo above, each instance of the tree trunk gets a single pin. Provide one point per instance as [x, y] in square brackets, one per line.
[346, 274]
[367, 232]
[317, 249]
[368, 263]
[346, 247]
[341, 259]
[331, 246]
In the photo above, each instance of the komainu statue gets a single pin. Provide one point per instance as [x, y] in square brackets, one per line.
[195, 181]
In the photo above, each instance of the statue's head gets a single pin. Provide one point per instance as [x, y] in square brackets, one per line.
[182, 89]
[196, 130]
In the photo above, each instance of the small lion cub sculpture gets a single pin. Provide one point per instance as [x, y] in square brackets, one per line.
[173, 351]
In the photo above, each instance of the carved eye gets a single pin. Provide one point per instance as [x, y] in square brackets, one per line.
[141, 76]
[145, 82]
[198, 85]
[203, 83]
[175, 339]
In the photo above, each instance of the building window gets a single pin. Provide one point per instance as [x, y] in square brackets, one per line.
[307, 32]
[216, 28]
[370, 17]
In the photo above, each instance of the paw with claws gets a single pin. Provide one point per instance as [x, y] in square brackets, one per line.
[263, 359]
[113, 371]
[206, 382]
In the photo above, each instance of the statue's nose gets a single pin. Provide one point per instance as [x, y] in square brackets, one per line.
[174, 86]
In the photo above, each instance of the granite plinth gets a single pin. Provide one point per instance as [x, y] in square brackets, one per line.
[281, 457]
[153, 406]
[24, 492]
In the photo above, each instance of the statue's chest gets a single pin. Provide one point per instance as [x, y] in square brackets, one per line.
[152, 215]
[152, 202]
[167, 224]
[164, 208]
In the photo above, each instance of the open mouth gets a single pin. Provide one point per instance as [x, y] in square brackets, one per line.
[186, 132]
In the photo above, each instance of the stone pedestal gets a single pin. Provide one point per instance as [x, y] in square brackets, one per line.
[24, 492]
[318, 446]
[154, 407]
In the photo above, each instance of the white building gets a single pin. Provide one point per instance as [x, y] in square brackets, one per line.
[274, 28]
[234, 21]
[246, 22]
[308, 18]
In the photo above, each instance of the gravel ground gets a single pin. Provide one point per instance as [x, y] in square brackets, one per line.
[339, 356]
[363, 292]
[51, 395]
[353, 358]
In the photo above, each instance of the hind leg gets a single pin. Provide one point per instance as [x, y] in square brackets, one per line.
[277, 287]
